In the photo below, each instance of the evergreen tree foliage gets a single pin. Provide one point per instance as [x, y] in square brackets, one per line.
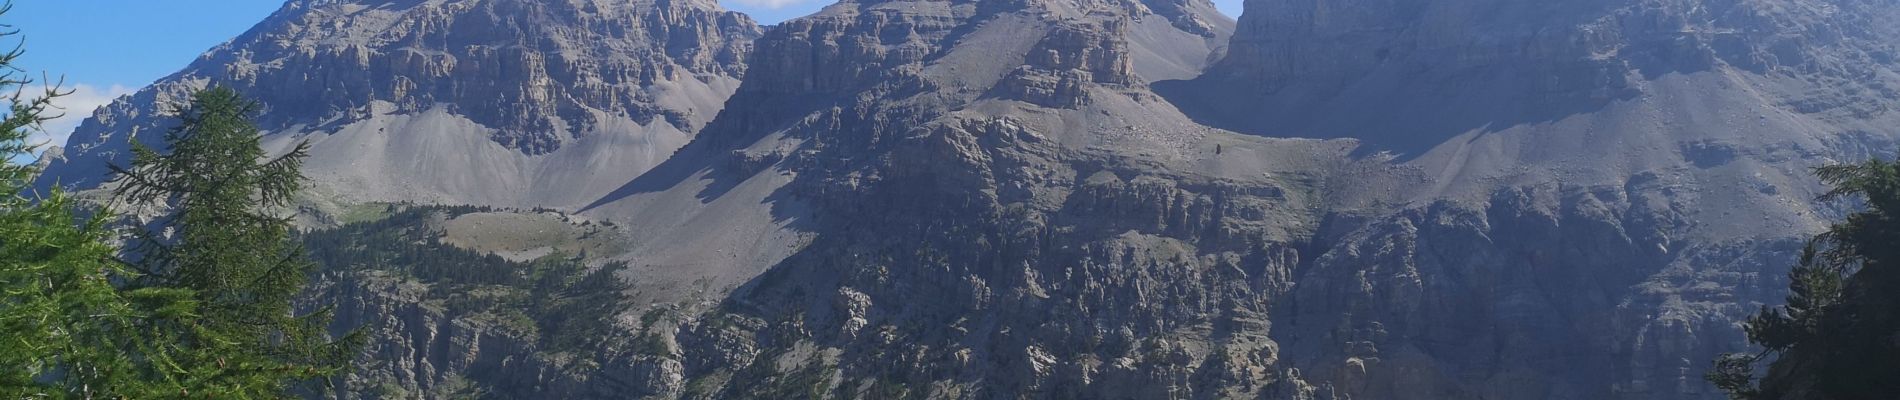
[566, 305]
[220, 240]
[67, 329]
[1834, 338]
[403, 242]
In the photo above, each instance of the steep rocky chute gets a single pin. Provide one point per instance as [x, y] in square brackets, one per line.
[499, 102]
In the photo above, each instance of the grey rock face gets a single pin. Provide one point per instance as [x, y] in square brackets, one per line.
[1313, 64]
[533, 77]
[417, 348]
[1028, 229]
[420, 348]
[533, 70]
[1054, 71]
[1576, 293]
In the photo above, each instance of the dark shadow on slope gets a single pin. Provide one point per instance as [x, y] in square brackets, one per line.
[668, 174]
[705, 153]
[1403, 114]
[736, 127]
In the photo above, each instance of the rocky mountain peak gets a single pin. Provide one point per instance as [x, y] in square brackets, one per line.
[1660, 35]
[507, 88]
[1562, 55]
[1009, 125]
[935, 56]
[535, 70]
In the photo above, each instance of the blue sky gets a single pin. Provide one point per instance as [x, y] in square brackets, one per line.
[107, 48]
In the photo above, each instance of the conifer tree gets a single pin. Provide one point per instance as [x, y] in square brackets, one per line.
[67, 328]
[1834, 337]
[221, 239]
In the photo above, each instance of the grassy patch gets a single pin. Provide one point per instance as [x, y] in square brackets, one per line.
[365, 212]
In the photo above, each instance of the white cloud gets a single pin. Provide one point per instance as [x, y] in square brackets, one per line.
[76, 107]
[769, 4]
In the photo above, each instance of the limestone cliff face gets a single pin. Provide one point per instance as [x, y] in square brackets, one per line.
[420, 348]
[499, 81]
[1566, 46]
[536, 71]
[1056, 71]
[417, 348]
[1544, 292]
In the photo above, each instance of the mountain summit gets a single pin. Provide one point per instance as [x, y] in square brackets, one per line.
[1408, 74]
[501, 102]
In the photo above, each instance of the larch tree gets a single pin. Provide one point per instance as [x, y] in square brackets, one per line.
[224, 235]
[69, 328]
[1836, 336]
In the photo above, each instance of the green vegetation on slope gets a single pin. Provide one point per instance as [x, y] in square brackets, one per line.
[558, 301]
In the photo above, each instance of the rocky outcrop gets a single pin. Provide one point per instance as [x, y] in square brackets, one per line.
[1554, 292]
[1055, 70]
[363, 78]
[1312, 68]
[1575, 49]
[419, 349]
[422, 344]
[532, 70]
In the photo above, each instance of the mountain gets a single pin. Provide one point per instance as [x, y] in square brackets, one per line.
[500, 102]
[1604, 187]
[1491, 200]
[1339, 199]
